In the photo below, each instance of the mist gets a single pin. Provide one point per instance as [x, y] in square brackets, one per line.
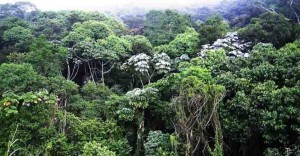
[113, 5]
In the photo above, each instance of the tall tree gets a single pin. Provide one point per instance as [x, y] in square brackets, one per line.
[161, 27]
[184, 43]
[146, 67]
[139, 99]
[47, 58]
[18, 37]
[268, 28]
[212, 29]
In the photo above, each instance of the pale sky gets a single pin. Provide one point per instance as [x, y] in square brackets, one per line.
[112, 4]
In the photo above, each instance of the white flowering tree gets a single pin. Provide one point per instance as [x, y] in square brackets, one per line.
[139, 100]
[146, 66]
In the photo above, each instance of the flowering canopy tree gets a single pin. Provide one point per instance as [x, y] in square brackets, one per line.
[145, 66]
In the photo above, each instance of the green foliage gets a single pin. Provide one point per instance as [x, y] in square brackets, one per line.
[76, 36]
[54, 25]
[139, 98]
[140, 44]
[96, 149]
[196, 109]
[107, 133]
[212, 29]
[117, 27]
[119, 46]
[95, 96]
[161, 27]
[10, 22]
[18, 37]
[272, 152]
[268, 28]
[100, 56]
[218, 149]
[58, 145]
[11, 100]
[185, 43]
[213, 60]
[54, 100]
[75, 16]
[17, 34]
[263, 93]
[158, 144]
[89, 29]
[195, 104]
[32, 113]
[99, 30]
[18, 78]
[93, 91]
[46, 57]
[118, 107]
[60, 86]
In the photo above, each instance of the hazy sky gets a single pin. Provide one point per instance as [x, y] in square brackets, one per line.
[111, 4]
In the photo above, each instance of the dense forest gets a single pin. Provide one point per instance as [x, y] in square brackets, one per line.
[202, 81]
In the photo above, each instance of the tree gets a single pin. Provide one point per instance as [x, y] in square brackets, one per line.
[89, 29]
[193, 99]
[157, 144]
[196, 108]
[185, 43]
[63, 89]
[212, 29]
[295, 6]
[32, 113]
[117, 27]
[139, 100]
[140, 44]
[19, 9]
[100, 30]
[260, 89]
[96, 149]
[81, 130]
[146, 67]
[117, 48]
[268, 28]
[94, 44]
[53, 28]
[239, 13]
[18, 78]
[18, 37]
[289, 8]
[9, 23]
[105, 53]
[95, 95]
[161, 27]
[47, 58]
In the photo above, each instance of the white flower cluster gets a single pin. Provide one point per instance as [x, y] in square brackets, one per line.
[184, 57]
[162, 63]
[141, 94]
[144, 64]
[139, 97]
[141, 62]
[232, 44]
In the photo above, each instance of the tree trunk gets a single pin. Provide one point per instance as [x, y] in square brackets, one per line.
[140, 132]
[92, 73]
[102, 73]
[218, 128]
[189, 144]
[65, 115]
